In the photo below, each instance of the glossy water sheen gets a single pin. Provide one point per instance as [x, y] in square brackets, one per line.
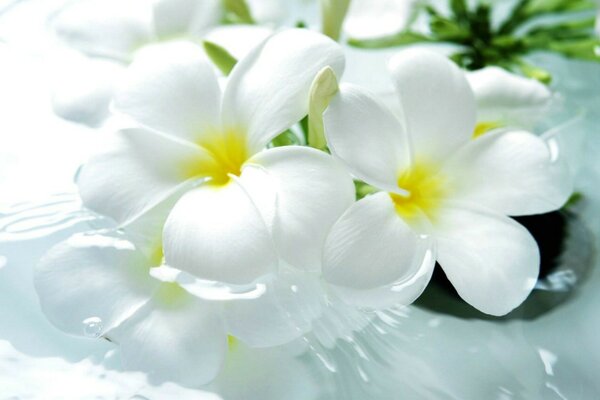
[413, 353]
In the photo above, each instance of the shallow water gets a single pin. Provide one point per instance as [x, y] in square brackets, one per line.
[414, 352]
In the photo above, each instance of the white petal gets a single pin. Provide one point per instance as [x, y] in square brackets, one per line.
[403, 292]
[238, 40]
[140, 170]
[437, 100]
[367, 137]
[174, 337]
[216, 233]
[96, 278]
[174, 18]
[268, 90]
[492, 261]
[171, 88]
[368, 19]
[84, 88]
[104, 28]
[146, 231]
[283, 313]
[508, 99]
[513, 173]
[268, 12]
[300, 192]
[371, 247]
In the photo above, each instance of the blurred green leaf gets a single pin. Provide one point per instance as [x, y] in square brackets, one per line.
[400, 39]
[220, 57]
[287, 138]
[237, 12]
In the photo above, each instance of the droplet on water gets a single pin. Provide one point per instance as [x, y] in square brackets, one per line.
[92, 327]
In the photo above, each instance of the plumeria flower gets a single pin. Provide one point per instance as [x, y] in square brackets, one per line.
[114, 31]
[505, 99]
[246, 209]
[223, 237]
[445, 195]
[99, 285]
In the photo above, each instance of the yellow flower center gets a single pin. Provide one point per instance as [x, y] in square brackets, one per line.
[229, 151]
[426, 189]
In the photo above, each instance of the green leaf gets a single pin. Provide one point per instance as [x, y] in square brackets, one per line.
[333, 13]
[363, 189]
[399, 39]
[538, 7]
[447, 30]
[220, 57]
[575, 198]
[287, 138]
[583, 49]
[323, 88]
[531, 71]
[237, 12]
[460, 11]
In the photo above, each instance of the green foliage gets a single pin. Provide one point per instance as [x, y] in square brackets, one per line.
[363, 189]
[220, 57]
[481, 43]
[286, 138]
[237, 12]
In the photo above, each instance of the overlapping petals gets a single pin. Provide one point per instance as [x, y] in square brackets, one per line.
[489, 177]
[269, 198]
[99, 285]
[506, 99]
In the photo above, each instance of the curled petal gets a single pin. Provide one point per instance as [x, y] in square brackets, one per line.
[370, 248]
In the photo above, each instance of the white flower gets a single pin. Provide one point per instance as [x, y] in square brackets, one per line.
[444, 193]
[98, 285]
[195, 182]
[114, 31]
[505, 99]
[369, 19]
[256, 206]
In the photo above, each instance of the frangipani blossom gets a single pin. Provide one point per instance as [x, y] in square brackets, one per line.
[444, 193]
[246, 209]
[112, 32]
[99, 285]
[507, 100]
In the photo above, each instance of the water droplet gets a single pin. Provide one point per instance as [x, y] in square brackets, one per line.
[92, 327]
[3, 261]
